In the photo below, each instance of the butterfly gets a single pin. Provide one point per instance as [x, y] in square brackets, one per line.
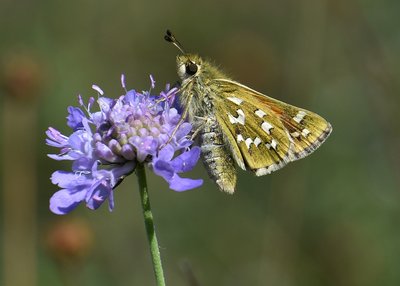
[237, 125]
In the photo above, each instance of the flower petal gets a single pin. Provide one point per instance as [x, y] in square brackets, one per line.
[82, 164]
[99, 194]
[166, 153]
[74, 119]
[64, 201]
[69, 180]
[55, 138]
[179, 184]
[61, 157]
[186, 161]
[163, 169]
[105, 153]
[183, 130]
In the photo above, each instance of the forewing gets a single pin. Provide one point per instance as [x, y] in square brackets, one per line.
[267, 132]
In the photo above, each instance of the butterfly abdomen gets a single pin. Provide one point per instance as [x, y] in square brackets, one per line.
[216, 157]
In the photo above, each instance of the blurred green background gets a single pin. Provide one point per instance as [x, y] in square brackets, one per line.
[331, 219]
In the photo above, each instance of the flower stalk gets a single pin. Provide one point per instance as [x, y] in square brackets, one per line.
[149, 223]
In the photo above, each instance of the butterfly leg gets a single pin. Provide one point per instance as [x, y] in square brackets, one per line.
[180, 122]
[199, 126]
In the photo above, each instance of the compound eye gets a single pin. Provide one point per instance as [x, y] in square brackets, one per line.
[191, 68]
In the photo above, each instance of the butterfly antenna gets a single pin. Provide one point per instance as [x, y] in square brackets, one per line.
[169, 37]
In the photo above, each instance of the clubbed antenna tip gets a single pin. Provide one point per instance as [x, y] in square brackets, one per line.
[169, 37]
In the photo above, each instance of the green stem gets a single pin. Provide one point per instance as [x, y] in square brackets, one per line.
[148, 221]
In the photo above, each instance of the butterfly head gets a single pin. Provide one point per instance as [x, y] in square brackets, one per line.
[188, 65]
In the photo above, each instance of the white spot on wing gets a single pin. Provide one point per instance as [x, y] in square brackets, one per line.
[267, 127]
[257, 141]
[260, 113]
[263, 171]
[299, 116]
[231, 119]
[240, 119]
[241, 116]
[235, 100]
[248, 142]
[305, 132]
[274, 144]
[274, 167]
[239, 138]
[295, 134]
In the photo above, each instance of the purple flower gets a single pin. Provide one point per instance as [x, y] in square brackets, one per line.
[106, 145]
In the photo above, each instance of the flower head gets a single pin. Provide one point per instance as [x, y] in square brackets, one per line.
[106, 145]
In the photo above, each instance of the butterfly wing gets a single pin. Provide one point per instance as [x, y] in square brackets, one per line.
[268, 133]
